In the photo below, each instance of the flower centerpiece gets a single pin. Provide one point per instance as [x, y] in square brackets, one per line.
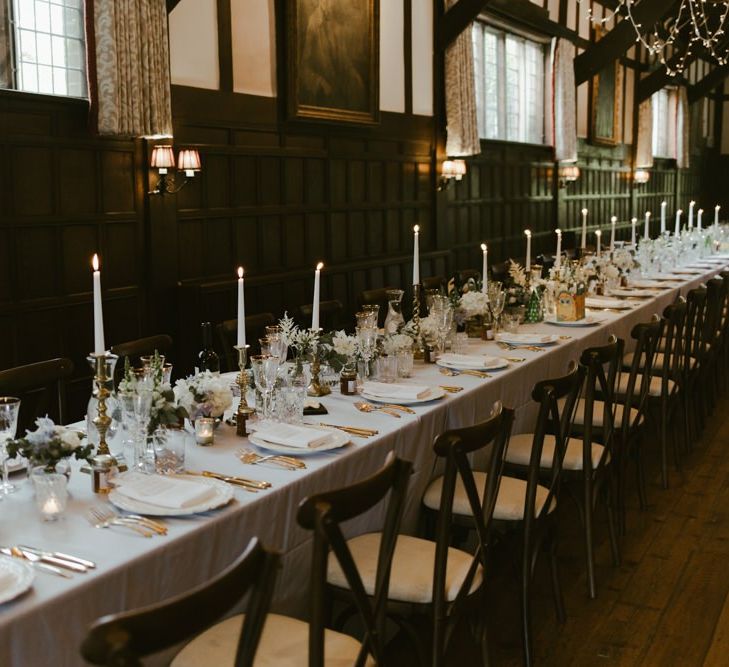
[303, 342]
[165, 411]
[203, 395]
[517, 294]
[568, 286]
[50, 445]
[474, 308]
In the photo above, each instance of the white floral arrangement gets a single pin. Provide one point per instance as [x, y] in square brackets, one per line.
[568, 277]
[396, 343]
[203, 395]
[602, 267]
[474, 304]
[624, 260]
[49, 444]
[301, 341]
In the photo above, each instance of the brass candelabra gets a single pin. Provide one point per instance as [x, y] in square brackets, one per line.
[244, 410]
[315, 387]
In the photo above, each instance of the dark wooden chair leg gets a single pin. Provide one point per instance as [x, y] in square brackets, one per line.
[556, 586]
[589, 555]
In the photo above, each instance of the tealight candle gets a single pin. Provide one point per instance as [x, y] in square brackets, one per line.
[663, 217]
[204, 430]
[485, 269]
[584, 229]
[51, 493]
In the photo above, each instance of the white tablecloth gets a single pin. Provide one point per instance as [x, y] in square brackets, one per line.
[46, 626]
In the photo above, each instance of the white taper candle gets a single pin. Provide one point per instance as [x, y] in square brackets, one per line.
[416, 255]
[528, 264]
[558, 258]
[317, 290]
[677, 229]
[663, 217]
[691, 215]
[241, 340]
[485, 269]
[99, 345]
[647, 227]
[613, 220]
[584, 229]
[698, 219]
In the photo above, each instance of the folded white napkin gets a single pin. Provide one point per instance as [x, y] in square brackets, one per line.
[632, 292]
[465, 360]
[647, 283]
[291, 435]
[606, 302]
[164, 491]
[396, 391]
[524, 338]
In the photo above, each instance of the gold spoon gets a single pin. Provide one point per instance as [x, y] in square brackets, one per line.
[368, 407]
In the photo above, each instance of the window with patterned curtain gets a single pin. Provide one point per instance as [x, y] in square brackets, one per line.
[44, 48]
[509, 72]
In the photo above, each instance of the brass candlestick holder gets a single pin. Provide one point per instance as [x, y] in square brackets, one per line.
[315, 387]
[101, 421]
[419, 349]
[244, 410]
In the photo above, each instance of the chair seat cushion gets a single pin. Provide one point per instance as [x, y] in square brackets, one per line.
[413, 563]
[656, 385]
[658, 360]
[509, 502]
[520, 451]
[598, 408]
[284, 643]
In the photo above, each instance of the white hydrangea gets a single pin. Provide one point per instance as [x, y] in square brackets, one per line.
[205, 394]
[344, 345]
[474, 304]
[397, 343]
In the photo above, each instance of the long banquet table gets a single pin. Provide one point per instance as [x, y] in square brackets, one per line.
[47, 624]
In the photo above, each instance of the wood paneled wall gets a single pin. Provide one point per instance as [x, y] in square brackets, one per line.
[64, 196]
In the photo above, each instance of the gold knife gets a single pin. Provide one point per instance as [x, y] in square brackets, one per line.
[241, 481]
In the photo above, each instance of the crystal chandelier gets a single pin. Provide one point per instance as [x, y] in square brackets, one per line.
[693, 24]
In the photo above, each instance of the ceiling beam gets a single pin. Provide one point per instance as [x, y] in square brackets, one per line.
[455, 21]
[616, 42]
[171, 4]
[713, 79]
[660, 77]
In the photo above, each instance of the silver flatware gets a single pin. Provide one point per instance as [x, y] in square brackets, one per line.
[52, 560]
[88, 564]
[14, 552]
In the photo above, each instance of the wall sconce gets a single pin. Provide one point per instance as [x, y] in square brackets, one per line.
[567, 174]
[451, 170]
[641, 176]
[163, 159]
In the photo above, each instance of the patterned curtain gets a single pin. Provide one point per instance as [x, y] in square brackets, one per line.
[129, 67]
[5, 73]
[644, 140]
[683, 126]
[460, 91]
[561, 115]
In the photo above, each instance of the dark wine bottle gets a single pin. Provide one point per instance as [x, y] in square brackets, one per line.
[208, 359]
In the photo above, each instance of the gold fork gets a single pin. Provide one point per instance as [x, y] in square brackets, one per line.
[250, 457]
[450, 372]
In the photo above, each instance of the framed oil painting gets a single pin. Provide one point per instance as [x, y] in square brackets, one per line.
[605, 99]
[333, 60]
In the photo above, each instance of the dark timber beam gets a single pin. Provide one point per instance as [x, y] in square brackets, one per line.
[171, 4]
[708, 83]
[616, 42]
[456, 20]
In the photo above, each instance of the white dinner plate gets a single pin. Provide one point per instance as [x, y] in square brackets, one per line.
[663, 277]
[526, 339]
[489, 364]
[637, 293]
[649, 284]
[584, 322]
[434, 394]
[223, 495]
[16, 577]
[338, 439]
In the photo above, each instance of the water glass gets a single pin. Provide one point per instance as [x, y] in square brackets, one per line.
[460, 343]
[51, 493]
[170, 445]
[404, 364]
[387, 368]
[511, 322]
[9, 410]
[204, 431]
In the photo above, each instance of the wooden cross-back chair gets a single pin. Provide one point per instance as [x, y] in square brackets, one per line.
[122, 640]
[40, 388]
[694, 346]
[286, 640]
[430, 579]
[716, 294]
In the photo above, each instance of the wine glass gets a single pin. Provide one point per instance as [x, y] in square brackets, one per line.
[367, 337]
[265, 372]
[497, 301]
[142, 407]
[9, 409]
[442, 311]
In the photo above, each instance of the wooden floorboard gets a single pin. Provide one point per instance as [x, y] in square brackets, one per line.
[668, 601]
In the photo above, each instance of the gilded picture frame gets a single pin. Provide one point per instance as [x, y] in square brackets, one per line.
[333, 53]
